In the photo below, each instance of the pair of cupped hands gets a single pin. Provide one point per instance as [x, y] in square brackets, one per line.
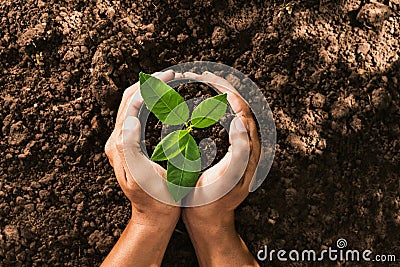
[244, 149]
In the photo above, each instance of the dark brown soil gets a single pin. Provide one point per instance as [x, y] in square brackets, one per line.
[329, 69]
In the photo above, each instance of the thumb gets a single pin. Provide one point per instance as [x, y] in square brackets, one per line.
[131, 134]
[138, 167]
[233, 164]
[240, 149]
[213, 185]
[239, 139]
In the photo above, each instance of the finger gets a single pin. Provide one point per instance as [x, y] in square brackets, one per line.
[224, 86]
[163, 76]
[239, 139]
[124, 103]
[255, 154]
[221, 82]
[134, 106]
[233, 166]
[120, 172]
[109, 150]
[131, 135]
[254, 138]
[139, 169]
[214, 172]
[130, 91]
[179, 75]
[191, 75]
[238, 104]
[207, 76]
[124, 179]
[253, 184]
[238, 152]
[129, 149]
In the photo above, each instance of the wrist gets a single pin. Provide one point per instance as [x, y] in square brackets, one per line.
[217, 243]
[155, 220]
[224, 222]
[142, 243]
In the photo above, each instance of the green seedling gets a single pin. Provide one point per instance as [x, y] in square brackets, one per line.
[179, 148]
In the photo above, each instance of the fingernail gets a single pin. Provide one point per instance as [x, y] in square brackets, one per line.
[130, 123]
[239, 125]
[178, 75]
[137, 97]
[190, 75]
[165, 73]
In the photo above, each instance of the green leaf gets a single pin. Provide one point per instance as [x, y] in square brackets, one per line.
[209, 111]
[183, 171]
[161, 99]
[171, 145]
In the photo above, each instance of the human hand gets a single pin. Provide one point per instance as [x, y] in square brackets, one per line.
[146, 236]
[211, 227]
[123, 146]
[240, 163]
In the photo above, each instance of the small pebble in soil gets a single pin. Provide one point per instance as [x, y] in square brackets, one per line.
[11, 232]
[318, 100]
[219, 36]
[380, 99]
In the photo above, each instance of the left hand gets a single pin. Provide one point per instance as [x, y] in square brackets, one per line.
[124, 145]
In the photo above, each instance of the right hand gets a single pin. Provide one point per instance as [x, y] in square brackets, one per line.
[243, 155]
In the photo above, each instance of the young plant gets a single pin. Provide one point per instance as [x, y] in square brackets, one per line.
[179, 148]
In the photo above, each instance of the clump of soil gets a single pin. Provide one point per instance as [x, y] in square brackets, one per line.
[329, 70]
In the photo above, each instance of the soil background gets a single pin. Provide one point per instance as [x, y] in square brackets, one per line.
[330, 71]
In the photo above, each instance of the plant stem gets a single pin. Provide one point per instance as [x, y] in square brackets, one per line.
[189, 126]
